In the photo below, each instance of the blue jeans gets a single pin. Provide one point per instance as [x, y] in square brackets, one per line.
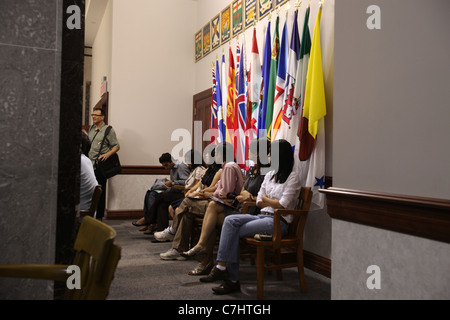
[237, 226]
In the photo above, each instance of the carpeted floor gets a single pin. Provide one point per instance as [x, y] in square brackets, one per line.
[142, 275]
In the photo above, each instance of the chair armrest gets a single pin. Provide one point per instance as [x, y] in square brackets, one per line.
[277, 233]
[286, 212]
[55, 272]
[246, 205]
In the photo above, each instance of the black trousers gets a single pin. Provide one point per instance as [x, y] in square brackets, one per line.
[102, 201]
[158, 212]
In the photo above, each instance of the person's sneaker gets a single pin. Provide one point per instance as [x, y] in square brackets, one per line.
[215, 274]
[171, 254]
[163, 236]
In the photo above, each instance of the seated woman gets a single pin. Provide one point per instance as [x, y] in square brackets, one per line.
[231, 180]
[216, 212]
[280, 190]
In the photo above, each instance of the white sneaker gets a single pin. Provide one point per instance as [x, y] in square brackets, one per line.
[164, 235]
[171, 254]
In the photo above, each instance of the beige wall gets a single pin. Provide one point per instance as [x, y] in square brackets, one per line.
[101, 55]
[146, 50]
[391, 134]
[152, 76]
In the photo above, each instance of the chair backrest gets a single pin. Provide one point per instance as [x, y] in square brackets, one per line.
[94, 202]
[97, 256]
[304, 203]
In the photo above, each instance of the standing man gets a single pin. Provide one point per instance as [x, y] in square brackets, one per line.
[110, 146]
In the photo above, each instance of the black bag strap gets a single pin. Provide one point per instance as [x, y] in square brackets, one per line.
[108, 129]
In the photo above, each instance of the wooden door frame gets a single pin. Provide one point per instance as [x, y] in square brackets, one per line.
[199, 97]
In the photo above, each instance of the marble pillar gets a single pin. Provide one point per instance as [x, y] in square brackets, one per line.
[37, 134]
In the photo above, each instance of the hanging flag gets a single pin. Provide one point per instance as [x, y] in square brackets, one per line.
[231, 99]
[238, 60]
[305, 48]
[314, 110]
[224, 86]
[287, 119]
[220, 120]
[240, 115]
[272, 80]
[280, 84]
[213, 122]
[264, 84]
[254, 89]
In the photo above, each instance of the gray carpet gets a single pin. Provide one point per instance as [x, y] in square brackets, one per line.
[142, 275]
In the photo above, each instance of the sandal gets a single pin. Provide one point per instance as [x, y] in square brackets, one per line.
[194, 252]
[201, 269]
[137, 224]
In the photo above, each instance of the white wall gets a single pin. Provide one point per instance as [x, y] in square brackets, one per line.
[152, 76]
[146, 50]
[101, 55]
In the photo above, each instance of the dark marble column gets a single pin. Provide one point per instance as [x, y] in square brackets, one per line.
[41, 76]
[72, 70]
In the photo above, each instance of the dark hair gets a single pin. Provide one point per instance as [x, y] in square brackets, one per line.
[282, 149]
[225, 150]
[257, 147]
[165, 157]
[195, 159]
[216, 166]
[102, 112]
[85, 144]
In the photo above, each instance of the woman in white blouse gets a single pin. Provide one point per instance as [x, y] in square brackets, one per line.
[280, 190]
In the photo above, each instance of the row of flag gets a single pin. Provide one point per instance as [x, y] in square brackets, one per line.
[282, 98]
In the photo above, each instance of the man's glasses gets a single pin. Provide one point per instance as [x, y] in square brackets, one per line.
[96, 115]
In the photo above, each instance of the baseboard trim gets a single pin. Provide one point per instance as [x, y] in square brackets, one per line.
[124, 214]
[317, 263]
[144, 170]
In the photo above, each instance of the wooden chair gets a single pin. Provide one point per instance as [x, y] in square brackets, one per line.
[94, 202]
[95, 254]
[278, 245]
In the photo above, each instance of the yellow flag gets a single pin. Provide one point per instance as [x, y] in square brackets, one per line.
[314, 106]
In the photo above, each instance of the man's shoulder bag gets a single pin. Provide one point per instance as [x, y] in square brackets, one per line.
[109, 167]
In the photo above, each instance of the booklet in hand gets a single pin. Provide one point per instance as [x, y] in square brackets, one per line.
[225, 203]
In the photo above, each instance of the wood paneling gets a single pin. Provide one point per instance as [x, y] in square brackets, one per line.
[418, 216]
[201, 111]
[144, 170]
